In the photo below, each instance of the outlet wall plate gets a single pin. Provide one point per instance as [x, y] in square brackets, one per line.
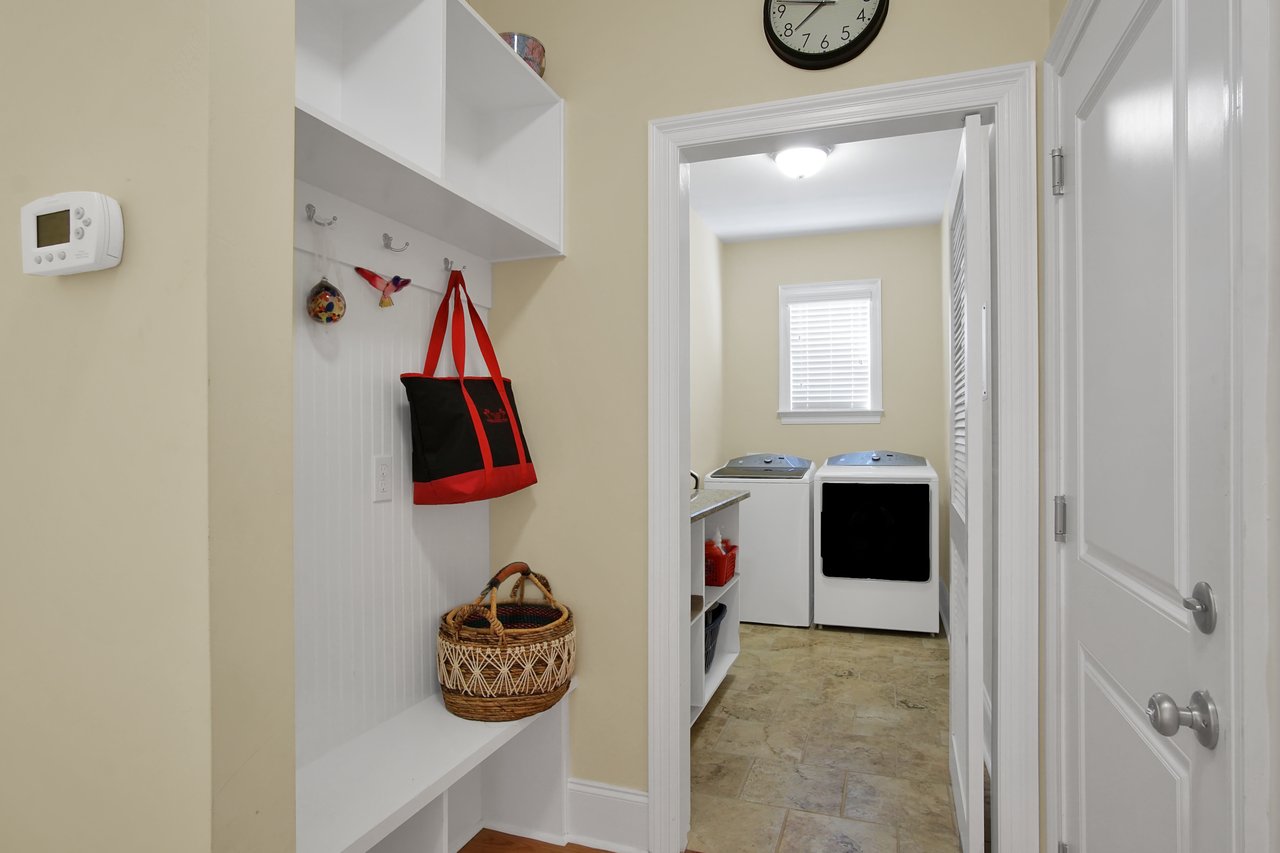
[381, 479]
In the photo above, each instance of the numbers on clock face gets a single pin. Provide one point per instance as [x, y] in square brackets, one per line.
[820, 26]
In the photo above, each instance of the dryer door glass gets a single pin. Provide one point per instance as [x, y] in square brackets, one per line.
[877, 531]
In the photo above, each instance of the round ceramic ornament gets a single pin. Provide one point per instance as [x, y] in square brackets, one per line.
[325, 303]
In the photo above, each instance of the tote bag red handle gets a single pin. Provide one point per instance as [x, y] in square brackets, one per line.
[457, 293]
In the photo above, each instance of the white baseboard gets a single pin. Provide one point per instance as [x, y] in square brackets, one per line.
[944, 605]
[525, 832]
[608, 817]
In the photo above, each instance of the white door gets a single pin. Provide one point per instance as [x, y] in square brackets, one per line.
[1147, 463]
[967, 222]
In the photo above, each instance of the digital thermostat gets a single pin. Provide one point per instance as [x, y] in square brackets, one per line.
[70, 233]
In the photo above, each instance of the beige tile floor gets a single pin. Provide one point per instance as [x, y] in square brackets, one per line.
[826, 740]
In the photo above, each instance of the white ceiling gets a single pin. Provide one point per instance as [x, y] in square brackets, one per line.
[875, 183]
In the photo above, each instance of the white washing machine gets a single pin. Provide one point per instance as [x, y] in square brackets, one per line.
[875, 542]
[774, 557]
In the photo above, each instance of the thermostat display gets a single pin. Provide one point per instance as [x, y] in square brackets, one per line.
[70, 233]
[53, 228]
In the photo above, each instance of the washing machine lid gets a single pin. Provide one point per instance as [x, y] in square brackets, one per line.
[765, 466]
[876, 459]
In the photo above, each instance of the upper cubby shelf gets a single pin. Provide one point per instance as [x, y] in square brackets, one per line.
[418, 110]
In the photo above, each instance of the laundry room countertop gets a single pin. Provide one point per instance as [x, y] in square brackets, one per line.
[707, 501]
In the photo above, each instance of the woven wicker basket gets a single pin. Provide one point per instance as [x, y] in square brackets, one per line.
[501, 662]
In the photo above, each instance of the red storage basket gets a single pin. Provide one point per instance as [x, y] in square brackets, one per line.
[720, 566]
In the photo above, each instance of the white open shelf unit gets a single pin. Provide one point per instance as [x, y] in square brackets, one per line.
[422, 780]
[703, 682]
[416, 109]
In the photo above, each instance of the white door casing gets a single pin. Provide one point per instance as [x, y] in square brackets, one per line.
[967, 225]
[1146, 406]
[1005, 96]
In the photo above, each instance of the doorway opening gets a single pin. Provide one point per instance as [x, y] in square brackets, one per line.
[1004, 100]
[825, 314]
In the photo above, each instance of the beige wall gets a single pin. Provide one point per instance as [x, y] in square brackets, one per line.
[250, 386]
[706, 349]
[1056, 8]
[577, 326]
[111, 518]
[907, 261]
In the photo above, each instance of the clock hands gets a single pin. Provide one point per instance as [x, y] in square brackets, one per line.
[817, 4]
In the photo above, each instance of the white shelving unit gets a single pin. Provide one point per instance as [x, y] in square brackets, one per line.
[722, 517]
[416, 109]
[422, 781]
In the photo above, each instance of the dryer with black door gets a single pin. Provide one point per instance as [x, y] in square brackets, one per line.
[774, 556]
[875, 534]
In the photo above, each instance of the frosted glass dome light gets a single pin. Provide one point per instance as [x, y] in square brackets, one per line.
[801, 162]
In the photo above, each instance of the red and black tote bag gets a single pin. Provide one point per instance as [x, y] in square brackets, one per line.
[468, 444]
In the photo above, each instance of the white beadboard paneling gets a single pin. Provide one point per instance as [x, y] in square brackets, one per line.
[371, 579]
[356, 239]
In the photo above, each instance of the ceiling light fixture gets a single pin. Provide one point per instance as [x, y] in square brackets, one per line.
[801, 162]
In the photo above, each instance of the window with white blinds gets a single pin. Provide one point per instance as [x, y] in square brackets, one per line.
[829, 367]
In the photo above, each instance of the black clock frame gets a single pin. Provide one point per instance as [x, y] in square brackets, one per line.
[839, 56]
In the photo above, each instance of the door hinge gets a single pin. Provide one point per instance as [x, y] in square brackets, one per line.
[1059, 172]
[1063, 848]
[1060, 518]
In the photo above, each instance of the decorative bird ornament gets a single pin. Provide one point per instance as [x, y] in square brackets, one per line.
[383, 286]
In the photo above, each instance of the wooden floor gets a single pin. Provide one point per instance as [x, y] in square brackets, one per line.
[488, 841]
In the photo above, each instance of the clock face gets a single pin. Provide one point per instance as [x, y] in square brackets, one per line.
[822, 33]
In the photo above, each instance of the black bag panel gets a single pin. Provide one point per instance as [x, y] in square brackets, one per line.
[497, 424]
[444, 437]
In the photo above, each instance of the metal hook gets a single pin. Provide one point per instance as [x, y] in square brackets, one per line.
[386, 243]
[311, 215]
[448, 264]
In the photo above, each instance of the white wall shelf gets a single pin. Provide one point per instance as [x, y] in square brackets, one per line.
[355, 796]
[416, 109]
[341, 160]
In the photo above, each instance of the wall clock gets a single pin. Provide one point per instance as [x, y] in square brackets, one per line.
[817, 34]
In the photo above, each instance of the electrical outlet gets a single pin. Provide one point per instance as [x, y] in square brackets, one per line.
[381, 479]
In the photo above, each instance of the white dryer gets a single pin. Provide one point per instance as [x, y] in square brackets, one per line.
[774, 556]
[875, 542]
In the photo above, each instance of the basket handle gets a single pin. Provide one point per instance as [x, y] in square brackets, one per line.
[507, 571]
[540, 581]
[526, 574]
[462, 614]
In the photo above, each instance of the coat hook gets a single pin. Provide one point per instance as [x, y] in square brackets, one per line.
[386, 243]
[448, 264]
[311, 215]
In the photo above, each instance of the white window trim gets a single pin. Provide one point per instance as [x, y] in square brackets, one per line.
[821, 292]
[833, 416]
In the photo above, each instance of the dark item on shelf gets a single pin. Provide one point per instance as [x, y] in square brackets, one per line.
[529, 49]
[715, 616]
[499, 662]
[468, 443]
[720, 565]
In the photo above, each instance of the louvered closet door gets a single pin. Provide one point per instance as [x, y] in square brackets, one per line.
[967, 221]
